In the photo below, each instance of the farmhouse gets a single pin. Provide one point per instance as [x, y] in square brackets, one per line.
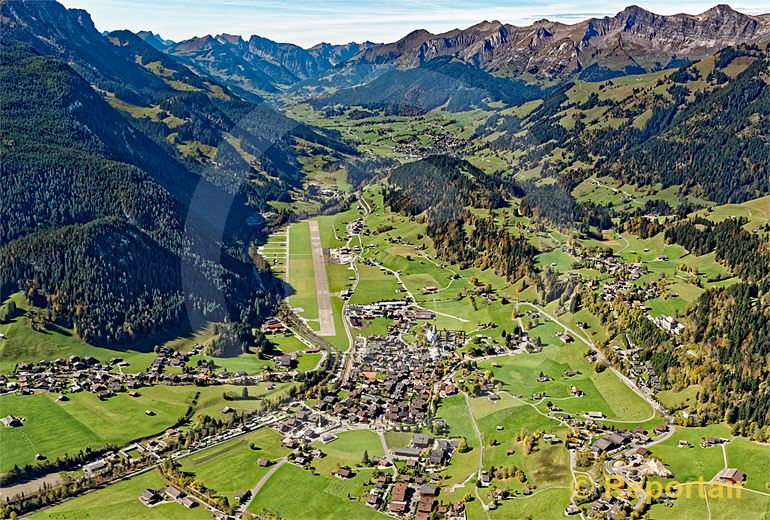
[11, 421]
[149, 497]
[731, 476]
[344, 473]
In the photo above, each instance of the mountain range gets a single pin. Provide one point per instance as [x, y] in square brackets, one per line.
[177, 149]
[633, 41]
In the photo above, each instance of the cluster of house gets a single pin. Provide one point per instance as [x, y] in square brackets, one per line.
[273, 326]
[342, 255]
[637, 370]
[396, 309]
[621, 439]
[415, 495]
[390, 381]
[151, 497]
[440, 144]
[607, 263]
[306, 426]
[356, 226]
[87, 374]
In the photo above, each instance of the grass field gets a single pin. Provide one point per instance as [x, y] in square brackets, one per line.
[85, 420]
[294, 493]
[121, 500]
[689, 464]
[232, 466]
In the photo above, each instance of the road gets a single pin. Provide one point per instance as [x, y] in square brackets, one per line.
[323, 297]
[243, 507]
[630, 384]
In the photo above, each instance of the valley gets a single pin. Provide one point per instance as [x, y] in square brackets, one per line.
[243, 279]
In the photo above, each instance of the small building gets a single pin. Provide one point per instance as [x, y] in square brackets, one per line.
[731, 476]
[11, 421]
[263, 462]
[243, 495]
[344, 473]
[399, 492]
[174, 493]
[420, 440]
[149, 497]
[188, 502]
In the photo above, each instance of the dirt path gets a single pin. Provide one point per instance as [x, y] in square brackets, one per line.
[325, 315]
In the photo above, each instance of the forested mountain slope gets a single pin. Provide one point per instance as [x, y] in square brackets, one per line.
[70, 159]
[442, 82]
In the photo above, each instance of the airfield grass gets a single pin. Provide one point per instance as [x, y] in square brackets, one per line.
[301, 272]
[232, 466]
[120, 500]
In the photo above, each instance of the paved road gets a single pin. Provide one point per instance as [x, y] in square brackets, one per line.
[243, 507]
[325, 315]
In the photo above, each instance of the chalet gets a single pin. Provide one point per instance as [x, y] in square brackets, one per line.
[661, 428]
[381, 482]
[642, 452]
[373, 500]
[731, 476]
[11, 421]
[399, 492]
[426, 504]
[566, 338]
[344, 473]
[262, 462]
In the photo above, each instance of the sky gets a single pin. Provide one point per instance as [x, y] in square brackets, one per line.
[307, 22]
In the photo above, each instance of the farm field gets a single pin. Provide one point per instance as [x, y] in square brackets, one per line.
[326, 496]
[121, 500]
[232, 466]
[85, 421]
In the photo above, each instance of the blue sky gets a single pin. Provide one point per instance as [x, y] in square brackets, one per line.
[306, 22]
